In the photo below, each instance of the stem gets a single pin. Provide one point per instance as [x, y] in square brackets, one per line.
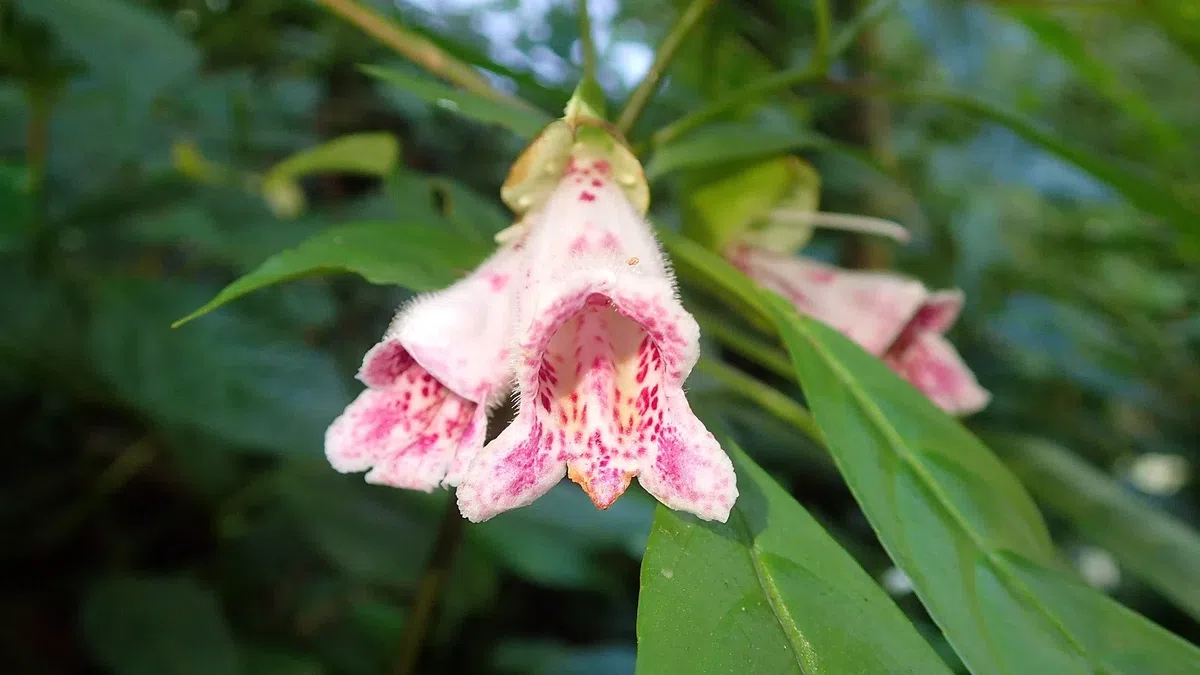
[37, 153]
[872, 130]
[786, 79]
[824, 23]
[843, 221]
[662, 58]
[441, 559]
[585, 40]
[754, 92]
[128, 464]
[772, 400]
[416, 48]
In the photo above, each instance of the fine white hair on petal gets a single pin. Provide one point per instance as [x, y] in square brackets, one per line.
[602, 349]
[443, 362]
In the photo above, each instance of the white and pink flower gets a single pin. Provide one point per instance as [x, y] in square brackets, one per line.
[888, 315]
[603, 347]
[442, 363]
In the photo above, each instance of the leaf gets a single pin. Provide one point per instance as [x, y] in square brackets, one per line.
[728, 142]
[1154, 546]
[768, 592]
[226, 377]
[960, 525]
[416, 256]
[373, 154]
[122, 43]
[524, 122]
[1153, 194]
[158, 627]
[1058, 37]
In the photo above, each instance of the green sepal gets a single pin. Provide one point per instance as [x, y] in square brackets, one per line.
[734, 202]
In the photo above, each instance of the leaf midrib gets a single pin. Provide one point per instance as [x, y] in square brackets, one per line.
[766, 582]
[901, 449]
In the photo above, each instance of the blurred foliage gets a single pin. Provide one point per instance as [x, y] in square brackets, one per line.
[167, 507]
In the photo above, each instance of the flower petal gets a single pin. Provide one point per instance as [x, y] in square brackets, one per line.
[419, 461]
[444, 359]
[933, 366]
[871, 308]
[516, 468]
[689, 471]
[459, 334]
[603, 344]
[469, 445]
[938, 313]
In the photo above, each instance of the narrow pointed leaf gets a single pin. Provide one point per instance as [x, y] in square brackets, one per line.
[727, 142]
[415, 256]
[525, 122]
[373, 154]
[1149, 543]
[961, 526]
[1151, 193]
[1058, 37]
[767, 592]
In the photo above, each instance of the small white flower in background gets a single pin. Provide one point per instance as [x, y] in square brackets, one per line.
[1098, 567]
[1160, 474]
[896, 582]
[443, 362]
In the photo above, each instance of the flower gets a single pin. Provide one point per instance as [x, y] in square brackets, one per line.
[887, 314]
[443, 361]
[603, 347]
[922, 355]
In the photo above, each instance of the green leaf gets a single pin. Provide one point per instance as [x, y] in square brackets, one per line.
[961, 526]
[120, 42]
[1153, 194]
[373, 154]
[728, 142]
[524, 122]
[1180, 20]
[158, 627]
[1058, 37]
[416, 256]
[226, 377]
[1154, 546]
[767, 592]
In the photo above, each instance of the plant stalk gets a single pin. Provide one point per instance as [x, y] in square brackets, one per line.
[662, 58]
[416, 48]
[429, 590]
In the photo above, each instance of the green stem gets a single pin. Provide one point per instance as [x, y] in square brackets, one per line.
[822, 56]
[585, 40]
[813, 71]
[417, 49]
[770, 399]
[429, 591]
[129, 463]
[662, 58]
